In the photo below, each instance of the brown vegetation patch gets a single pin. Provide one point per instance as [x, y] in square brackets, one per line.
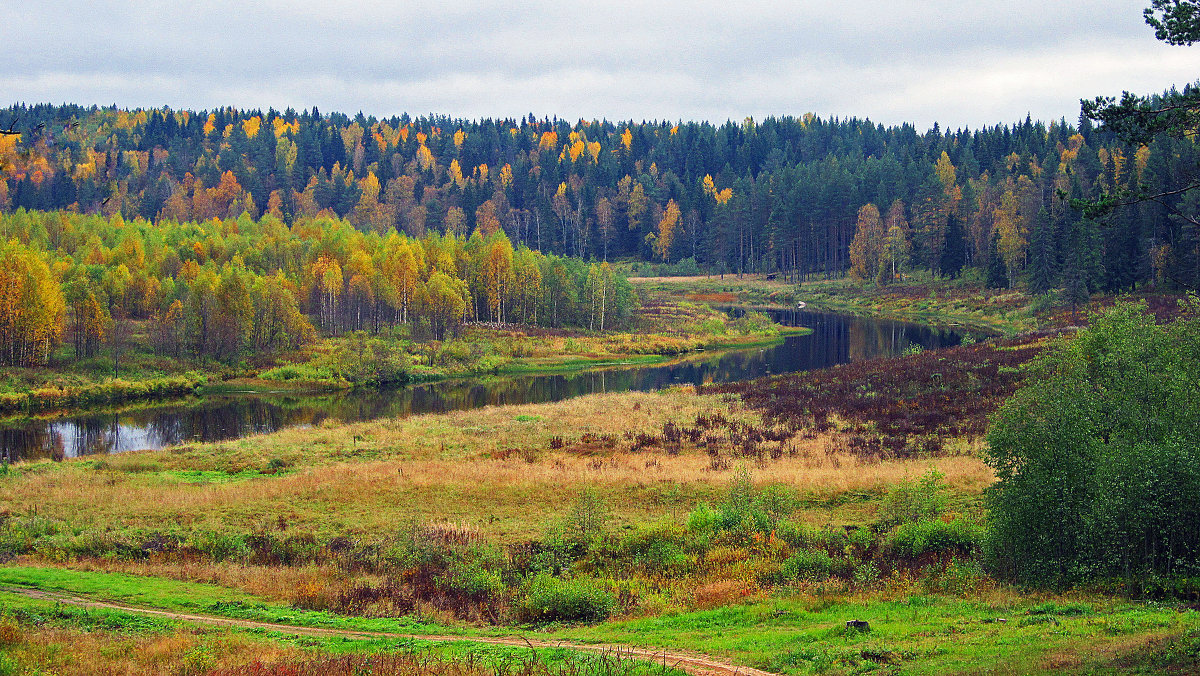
[68, 651]
[885, 408]
[1164, 307]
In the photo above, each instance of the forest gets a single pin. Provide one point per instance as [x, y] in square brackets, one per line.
[784, 195]
[236, 231]
[1026, 477]
[228, 289]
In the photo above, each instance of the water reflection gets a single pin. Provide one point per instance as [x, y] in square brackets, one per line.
[835, 339]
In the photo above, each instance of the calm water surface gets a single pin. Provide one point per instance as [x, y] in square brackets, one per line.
[835, 339]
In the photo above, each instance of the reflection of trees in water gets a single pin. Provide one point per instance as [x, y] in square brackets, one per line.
[835, 339]
[25, 442]
[234, 417]
[94, 435]
[874, 339]
[166, 429]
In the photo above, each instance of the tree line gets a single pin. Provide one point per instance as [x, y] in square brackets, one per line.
[782, 195]
[233, 288]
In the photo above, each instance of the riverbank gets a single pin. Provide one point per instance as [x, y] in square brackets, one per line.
[664, 330]
[954, 303]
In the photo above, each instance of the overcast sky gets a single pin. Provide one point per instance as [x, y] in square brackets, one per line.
[957, 63]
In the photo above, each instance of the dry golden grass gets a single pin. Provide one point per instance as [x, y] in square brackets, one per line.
[492, 468]
[88, 653]
[275, 583]
[509, 499]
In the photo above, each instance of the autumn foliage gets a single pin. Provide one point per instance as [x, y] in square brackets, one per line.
[236, 287]
[778, 195]
[31, 307]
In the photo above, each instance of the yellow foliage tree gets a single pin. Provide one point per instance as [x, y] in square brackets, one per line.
[456, 174]
[456, 221]
[666, 230]
[866, 249]
[31, 307]
[497, 274]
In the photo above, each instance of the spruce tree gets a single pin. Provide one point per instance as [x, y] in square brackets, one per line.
[997, 273]
[1042, 266]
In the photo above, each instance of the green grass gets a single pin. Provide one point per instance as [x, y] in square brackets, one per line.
[914, 634]
[791, 633]
[194, 597]
[119, 626]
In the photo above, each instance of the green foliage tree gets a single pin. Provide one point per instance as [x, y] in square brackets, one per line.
[997, 275]
[1176, 22]
[1143, 120]
[1097, 457]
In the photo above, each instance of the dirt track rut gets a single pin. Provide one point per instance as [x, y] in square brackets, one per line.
[691, 663]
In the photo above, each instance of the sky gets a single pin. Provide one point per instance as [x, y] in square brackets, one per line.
[960, 64]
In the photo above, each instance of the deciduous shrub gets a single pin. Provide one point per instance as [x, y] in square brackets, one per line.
[932, 536]
[1097, 456]
[913, 500]
[808, 564]
[550, 599]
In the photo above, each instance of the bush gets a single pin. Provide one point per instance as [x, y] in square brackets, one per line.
[661, 549]
[687, 267]
[221, 546]
[584, 525]
[355, 360]
[747, 510]
[754, 322]
[549, 599]
[912, 501]
[808, 564]
[914, 540]
[703, 520]
[1097, 456]
[474, 581]
[803, 536]
[1043, 303]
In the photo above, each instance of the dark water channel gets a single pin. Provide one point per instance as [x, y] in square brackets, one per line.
[835, 339]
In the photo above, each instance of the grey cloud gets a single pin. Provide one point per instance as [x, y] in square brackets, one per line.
[949, 61]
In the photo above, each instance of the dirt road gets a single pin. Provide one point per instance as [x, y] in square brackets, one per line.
[688, 662]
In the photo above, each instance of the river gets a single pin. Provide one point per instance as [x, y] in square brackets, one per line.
[835, 339]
